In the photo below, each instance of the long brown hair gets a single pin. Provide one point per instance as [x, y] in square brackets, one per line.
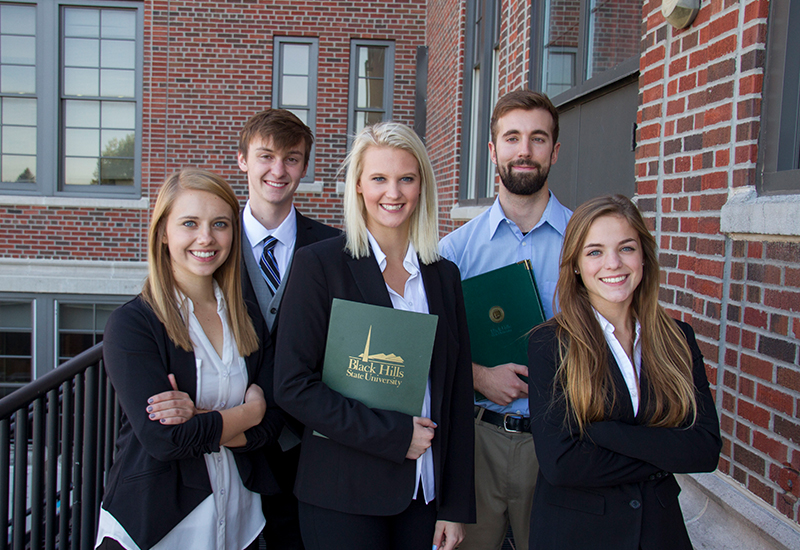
[584, 373]
[159, 288]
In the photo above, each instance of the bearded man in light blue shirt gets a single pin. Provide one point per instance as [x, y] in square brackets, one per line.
[526, 221]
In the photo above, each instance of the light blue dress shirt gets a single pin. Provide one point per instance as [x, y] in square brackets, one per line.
[492, 241]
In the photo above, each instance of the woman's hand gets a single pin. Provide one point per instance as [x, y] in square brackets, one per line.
[422, 437]
[448, 535]
[171, 407]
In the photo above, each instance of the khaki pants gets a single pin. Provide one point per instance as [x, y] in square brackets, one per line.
[505, 475]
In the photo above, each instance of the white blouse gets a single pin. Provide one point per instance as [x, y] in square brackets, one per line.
[630, 371]
[231, 517]
[413, 299]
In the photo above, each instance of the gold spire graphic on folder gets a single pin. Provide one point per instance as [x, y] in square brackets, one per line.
[380, 367]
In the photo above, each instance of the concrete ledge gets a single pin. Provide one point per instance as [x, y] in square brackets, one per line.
[466, 213]
[720, 514]
[72, 276]
[314, 188]
[746, 216]
[75, 202]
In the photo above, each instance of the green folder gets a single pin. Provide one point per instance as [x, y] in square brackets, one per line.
[379, 355]
[502, 307]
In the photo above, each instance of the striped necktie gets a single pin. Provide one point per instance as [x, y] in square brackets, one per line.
[269, 265]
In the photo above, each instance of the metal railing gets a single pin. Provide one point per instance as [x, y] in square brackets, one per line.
[57, 437]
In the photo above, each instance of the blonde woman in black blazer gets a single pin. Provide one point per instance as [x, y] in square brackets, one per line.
[618, 393]
[355, 486]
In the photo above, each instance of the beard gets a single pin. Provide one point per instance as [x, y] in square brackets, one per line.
[527, 183]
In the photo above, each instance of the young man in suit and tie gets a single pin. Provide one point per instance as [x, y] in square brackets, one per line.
[274, 148]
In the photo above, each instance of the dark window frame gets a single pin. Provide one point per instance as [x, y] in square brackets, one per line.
[481, 44]
[583, 85]
[388, 79]
[49, 97]
[313, 72]
[778, 165]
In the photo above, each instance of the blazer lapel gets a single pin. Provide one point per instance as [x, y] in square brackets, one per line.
[369, 280]
[623, 407]
[434, 290]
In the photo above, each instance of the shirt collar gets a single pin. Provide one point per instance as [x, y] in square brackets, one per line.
[185, 303]
[608, 328]
[256, 232]
[410, 262]
[553, 215]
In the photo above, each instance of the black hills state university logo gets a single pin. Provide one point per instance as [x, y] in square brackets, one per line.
[379, 368]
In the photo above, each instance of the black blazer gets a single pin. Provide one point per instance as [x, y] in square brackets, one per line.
[614, 488]
[284, 464]
[362, 468]
[159, 474]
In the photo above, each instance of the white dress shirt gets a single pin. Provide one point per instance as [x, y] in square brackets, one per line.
[413, 299]
[285, 233]
[630, 371]
[231, 517]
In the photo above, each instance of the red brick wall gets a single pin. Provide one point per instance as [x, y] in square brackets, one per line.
[445, 31]
[207, 68]
[700, 94]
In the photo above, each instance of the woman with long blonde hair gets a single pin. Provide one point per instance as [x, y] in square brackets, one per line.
[618, 393]
[189, 369]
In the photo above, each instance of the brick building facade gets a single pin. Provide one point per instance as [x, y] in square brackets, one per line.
[705, 162]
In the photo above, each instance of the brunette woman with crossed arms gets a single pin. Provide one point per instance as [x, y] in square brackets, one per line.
[618, 393]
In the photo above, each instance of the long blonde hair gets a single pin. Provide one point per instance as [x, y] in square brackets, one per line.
[159, 288]
[584, 372]
[424, 226]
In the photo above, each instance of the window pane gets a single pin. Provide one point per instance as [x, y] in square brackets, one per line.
[370, 93]
[563, 20]
[119, 24]
[560, 72]
[371, 61]
[366, 119]
[295, 59]
[81, 171]
[81, 52]
[16, 342]
[21, 111]
[19, 169]
[294, 90]
[118, 54]
[17, 19]
[116, 83]
[76, 316]
[81, 142]
[302, 114]
[116, 171]
[72, 344]
[82, 113]
[614, 33]
[118, 143]
[19, 140]
[82, 22]
[20, 50]
[117, 114]
[81, 82]
[16, 79]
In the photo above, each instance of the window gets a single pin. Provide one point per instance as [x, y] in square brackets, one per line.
[80, 326]
[779, 143]
[70, 86]
[371, 83]
[16, 345]
[584, 45]
[294, 83]
[40, 331]
[483, 46]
